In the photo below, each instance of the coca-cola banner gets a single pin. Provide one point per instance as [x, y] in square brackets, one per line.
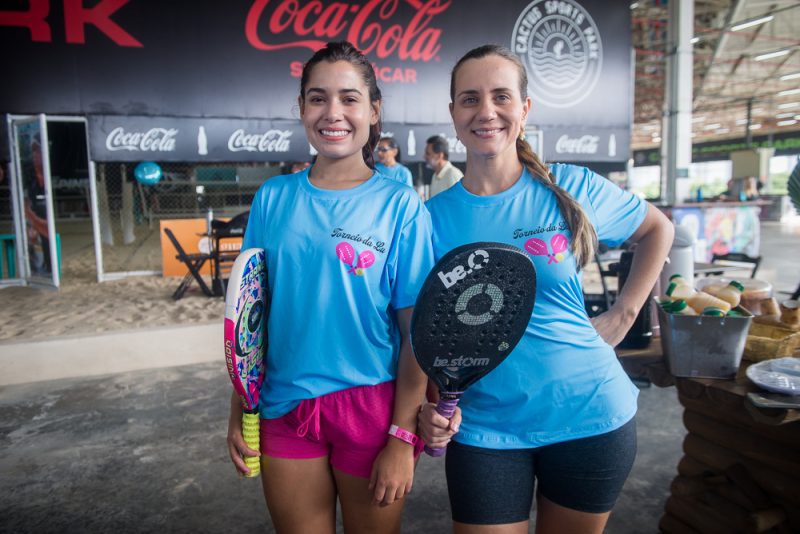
[138, 138]
[242, 60]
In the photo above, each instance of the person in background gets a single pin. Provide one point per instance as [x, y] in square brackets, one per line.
[347, 250]
[298, 166]
[437, 158]
[556, 419]
[751, 189]
[388, 155]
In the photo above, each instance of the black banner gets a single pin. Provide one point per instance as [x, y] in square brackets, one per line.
[219, 61]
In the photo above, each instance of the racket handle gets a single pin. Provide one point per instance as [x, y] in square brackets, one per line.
[446, 408]
[251, 433]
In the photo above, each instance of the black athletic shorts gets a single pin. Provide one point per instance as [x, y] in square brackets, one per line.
[495, 486]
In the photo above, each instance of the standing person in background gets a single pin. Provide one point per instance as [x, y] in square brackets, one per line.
[347, 250]
[558, 415]
[388, 154]
[437, 158]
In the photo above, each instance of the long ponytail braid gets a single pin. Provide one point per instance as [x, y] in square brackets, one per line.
[584, 237]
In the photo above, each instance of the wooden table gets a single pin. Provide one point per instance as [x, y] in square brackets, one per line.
[741, 466]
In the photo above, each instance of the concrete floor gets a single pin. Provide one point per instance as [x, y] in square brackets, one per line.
[145, 451]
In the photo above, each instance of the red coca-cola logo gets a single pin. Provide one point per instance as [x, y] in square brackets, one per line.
[370, 26]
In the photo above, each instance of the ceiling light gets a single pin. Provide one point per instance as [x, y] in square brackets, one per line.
[656, 139]
[792, 76]
[789, 92]
[787, 105]
[786, 123]
[634, 5]
[698, 119]
[751, 23]
[694, 40]
[741, 121]
[770, 55]
[712, 126]
[723, 130]
[755, 126]
[784, 115]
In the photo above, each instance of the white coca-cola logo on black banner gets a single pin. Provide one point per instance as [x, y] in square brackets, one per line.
[585, 144]
[269, 141]
[153, 140]
[560, 45]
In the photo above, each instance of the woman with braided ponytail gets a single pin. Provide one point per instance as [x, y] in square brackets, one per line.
[557, 415]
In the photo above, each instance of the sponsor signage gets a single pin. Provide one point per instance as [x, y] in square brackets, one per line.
[241, 61]
[137, 138]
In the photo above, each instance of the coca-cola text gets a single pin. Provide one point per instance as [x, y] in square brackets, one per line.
[269, 141]
[331, 21]
[586, 144]
[153, 140]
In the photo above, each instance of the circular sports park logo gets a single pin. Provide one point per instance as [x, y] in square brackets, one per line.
[560, 46]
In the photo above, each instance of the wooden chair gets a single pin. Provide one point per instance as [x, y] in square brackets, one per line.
[194, 262]
[749, 262]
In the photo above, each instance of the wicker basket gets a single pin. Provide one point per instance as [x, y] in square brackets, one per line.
[767, 341]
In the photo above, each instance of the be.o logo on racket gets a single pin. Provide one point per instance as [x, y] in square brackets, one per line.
[476, 261]
[487, 298]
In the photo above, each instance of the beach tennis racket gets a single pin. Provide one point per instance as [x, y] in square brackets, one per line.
[471, 312]
[246, 312]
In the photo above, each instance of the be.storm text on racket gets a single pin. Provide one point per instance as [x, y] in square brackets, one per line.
[459, 272]
[461, 361]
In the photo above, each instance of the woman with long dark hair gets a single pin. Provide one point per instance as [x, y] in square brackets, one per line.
[347, 250]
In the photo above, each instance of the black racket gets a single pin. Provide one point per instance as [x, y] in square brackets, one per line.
[471, 312]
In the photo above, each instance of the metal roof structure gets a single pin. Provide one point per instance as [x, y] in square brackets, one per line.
[746, 57]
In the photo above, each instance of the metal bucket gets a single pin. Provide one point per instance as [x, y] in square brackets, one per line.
[703, 346]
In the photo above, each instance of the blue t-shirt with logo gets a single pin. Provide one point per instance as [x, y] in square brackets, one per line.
[339, 263]
[397, 172]
[562, 381]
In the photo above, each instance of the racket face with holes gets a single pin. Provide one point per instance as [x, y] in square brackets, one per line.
[246, 312]
[472, 311]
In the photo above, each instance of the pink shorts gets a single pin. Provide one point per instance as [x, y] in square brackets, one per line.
[350, 426]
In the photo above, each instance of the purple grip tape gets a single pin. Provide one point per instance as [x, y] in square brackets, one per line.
[446, 408]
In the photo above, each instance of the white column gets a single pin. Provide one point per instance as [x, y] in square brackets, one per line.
[676, 134]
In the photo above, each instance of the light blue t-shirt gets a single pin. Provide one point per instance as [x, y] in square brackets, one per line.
[562, 381]
[397, 172]
[339, 263]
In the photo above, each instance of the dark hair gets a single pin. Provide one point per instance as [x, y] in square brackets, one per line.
[344, 51]
[392, 142]
[439, 145]
[584, 236]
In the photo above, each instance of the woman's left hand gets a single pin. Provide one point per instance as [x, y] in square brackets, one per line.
[392, 473]
[613, 324]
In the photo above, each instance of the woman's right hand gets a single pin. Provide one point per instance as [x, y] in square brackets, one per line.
[237, 448]
[437, 431]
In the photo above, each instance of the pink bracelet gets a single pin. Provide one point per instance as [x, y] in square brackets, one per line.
[403, 435]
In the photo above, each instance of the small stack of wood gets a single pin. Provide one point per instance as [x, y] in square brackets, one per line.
[740, 471]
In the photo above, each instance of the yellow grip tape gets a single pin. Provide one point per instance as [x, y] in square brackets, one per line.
[250, 431]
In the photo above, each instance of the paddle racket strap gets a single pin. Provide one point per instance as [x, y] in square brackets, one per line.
[446, 407]
[251, 433]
